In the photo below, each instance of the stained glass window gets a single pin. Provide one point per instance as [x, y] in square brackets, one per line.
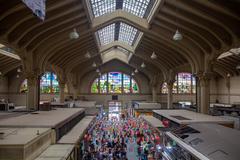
[103, 83]
[126, 83]
[114, 82]
[185, 83]
[135, 88]
[49, 83]
[24, 87]
[94, 87]
[164, 88]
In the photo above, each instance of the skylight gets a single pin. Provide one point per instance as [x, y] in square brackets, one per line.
[106, 34]
[101, 7]
[118, 31]
[139, 8]
[127, 33]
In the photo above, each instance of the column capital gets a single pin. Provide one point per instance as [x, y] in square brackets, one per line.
[204, 78]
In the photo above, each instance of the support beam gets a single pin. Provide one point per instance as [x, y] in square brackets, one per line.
[33, 91]
[204, 80]
[170, 95]
[61, 92]
[154, 93]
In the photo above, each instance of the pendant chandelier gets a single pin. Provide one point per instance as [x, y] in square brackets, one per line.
[177, 36]
[74, 34]
[143, 65]
[153, 56]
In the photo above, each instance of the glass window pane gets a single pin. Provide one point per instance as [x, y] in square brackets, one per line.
[24, 87]
[55, 85]
[115, 82]
[127, 33]
[136, 7]
[126, 84]
[135, 88]
[101, 7]
[94, 87]
[184, 82]
[164, 88]
[45, 83]
[106, 34]
[103, 83]
[193, 84]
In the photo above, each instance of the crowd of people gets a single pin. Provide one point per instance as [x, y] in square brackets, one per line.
[114, 139]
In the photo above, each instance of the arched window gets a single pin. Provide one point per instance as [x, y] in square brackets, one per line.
[114, 82]
[24, 87]
[185, 84]
[49, 83]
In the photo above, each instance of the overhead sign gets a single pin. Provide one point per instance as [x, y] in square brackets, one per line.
[37, 6]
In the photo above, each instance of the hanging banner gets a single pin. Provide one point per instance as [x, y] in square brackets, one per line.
[37, 6]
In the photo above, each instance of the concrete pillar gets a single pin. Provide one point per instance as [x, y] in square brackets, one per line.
[61, 92]
[198, 92]
[154, 93]
[33, 91]
[205, 94]
[228, 87]
[75, 92]
[170, 95]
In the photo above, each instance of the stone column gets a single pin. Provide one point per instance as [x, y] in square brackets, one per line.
[228, 87]
[33, 91]
[170, 95]
[205, 93]
[154, 93]
[198, 94]
[75, 92]
[61, 92]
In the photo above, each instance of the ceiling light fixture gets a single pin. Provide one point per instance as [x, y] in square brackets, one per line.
[19, 70]
[136, 71]
[94, 64]
[143, 65]
[177, 36]
[133, 73]
[0, 73]
[17, 76]
[88, 55]
[97, 70]
[74, 34]
[153, 56]
[99, 73]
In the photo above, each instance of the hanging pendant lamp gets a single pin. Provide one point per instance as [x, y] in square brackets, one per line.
[94, 65]
[177, 36]
[74, 34]
[153, 56]
[143, 65]
[136, 71]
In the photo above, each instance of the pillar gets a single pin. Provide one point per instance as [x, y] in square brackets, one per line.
[170, 95]
[61, 90]
[198, 94]
[33, 91]
[154, 93]
[75, 92]
[205, 93]
[228, 87]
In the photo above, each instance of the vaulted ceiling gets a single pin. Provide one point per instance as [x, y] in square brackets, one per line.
[134, 28]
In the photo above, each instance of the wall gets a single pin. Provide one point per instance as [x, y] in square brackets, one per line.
[3, 87]
[231, 96]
